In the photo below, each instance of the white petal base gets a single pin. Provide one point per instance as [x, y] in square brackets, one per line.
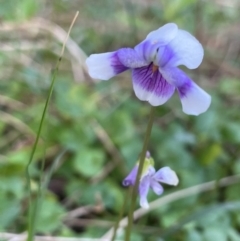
[196, 101]
[153, 100]
[99, 66]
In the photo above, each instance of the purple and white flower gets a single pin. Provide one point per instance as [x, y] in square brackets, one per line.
[150, 179]
[153, 63]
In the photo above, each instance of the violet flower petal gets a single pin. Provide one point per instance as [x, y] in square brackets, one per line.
[143, 191]
[156, 187]
[184, 49]
[104, 66]
[148, 48]
[164, 55]
[164, 34]
[129, 58]
[131, 177]
[149, 85]
[194, 99]
[166, 175]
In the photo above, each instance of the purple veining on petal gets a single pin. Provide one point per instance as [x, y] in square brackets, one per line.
[184, 89]
[131, 177]
[117, 65]
[152, 80]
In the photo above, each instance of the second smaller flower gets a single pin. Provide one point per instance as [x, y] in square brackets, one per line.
[150, 179]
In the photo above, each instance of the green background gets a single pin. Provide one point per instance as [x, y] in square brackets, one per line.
[94, 130]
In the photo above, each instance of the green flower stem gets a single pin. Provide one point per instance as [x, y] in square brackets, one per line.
[33, 206]
[120, 215]
[140, 168]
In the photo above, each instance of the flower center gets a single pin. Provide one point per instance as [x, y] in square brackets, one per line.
[154, 68]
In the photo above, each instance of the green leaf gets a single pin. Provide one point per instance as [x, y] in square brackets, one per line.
[10, 210]
[26, 9]
[211, 153]
[233, 235]
[50, 215]
[194, 235]
[214, 233]
[88, 162]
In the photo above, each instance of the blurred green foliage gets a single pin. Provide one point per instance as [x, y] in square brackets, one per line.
[100, 125]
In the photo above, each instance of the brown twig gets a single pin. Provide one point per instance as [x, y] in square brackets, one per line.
[11, 103]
